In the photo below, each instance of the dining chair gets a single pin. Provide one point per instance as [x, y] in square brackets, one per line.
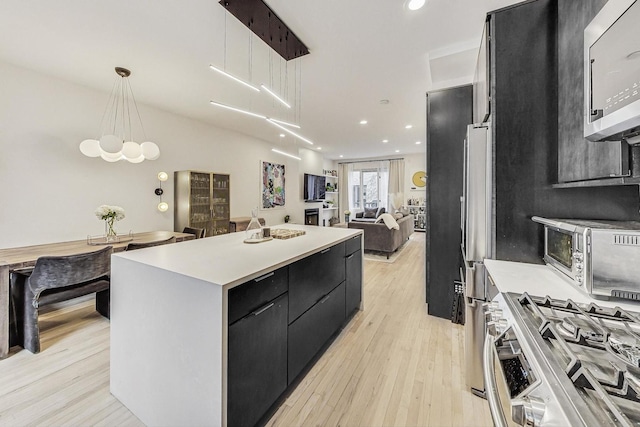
[198, 232]
[140, 245]
[55, 279]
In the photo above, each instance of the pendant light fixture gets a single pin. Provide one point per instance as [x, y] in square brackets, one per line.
[116, 140]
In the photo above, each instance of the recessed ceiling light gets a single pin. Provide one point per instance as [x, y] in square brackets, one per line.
[397, 151]
[341, 156]
[363, 122]
[384, 141]
[282, 135]
[408, 126]
[415, 4]
[319, 148]
[418, 142]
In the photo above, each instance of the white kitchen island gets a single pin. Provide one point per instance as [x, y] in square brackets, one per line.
[169, 318]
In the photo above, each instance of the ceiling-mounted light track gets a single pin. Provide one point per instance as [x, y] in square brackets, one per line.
[224, 73]
[282, 122]
[238, 110]
[285, 154]
[289, 131]
[275, 95]
[260, 116]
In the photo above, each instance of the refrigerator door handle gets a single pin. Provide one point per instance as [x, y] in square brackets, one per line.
[470, 291]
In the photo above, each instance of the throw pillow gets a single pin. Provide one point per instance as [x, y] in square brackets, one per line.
[370, 212]
[398, 215]
[389, 221]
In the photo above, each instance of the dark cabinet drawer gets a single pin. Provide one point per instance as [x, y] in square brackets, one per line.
[314, 276]
[353, 282]
[257, 363]
[311, 331]
[353, 244]
[253, 294]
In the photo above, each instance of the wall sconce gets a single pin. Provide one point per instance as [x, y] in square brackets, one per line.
[162, 206]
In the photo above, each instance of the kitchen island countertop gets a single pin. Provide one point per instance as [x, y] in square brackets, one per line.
[225, 260]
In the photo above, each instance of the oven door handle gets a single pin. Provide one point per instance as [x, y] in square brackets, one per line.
[491, 389]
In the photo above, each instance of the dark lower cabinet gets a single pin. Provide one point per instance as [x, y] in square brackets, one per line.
[310, 332]
[314, 276]
[257, 362]
[353, 282]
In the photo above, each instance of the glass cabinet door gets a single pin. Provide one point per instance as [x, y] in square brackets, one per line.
[200, 201]
[220, 204]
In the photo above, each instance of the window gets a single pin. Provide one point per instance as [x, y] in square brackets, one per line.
[368, 188]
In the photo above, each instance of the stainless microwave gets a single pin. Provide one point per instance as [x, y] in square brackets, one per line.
[612, 73]
[600, 257]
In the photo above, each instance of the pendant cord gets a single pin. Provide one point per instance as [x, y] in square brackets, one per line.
[104, 124]
[135, 104]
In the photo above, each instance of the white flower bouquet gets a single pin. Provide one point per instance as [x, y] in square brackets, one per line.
[110, 214]
[106, 212]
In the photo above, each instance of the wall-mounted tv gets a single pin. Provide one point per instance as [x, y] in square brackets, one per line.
[314, 187]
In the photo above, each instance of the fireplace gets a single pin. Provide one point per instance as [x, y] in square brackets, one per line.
[311, 216]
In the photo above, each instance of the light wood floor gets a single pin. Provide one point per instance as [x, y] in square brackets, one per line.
[391, 366]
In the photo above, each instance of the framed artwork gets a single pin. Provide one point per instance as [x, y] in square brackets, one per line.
[272, 193]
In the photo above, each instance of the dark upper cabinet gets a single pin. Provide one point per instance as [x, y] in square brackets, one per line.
[257, 362]
[482, 77]
[578, 158]
[313, 277]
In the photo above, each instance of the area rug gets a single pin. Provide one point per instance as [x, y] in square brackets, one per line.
[382, 256]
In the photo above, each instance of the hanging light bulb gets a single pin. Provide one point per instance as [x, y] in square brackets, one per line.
[116, 128]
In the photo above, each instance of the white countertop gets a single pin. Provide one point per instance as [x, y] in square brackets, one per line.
[542, 280]
[226, 260]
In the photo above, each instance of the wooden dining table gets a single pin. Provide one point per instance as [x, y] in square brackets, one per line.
[21, 257]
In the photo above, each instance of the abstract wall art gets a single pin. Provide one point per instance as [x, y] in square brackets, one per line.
[273, 195]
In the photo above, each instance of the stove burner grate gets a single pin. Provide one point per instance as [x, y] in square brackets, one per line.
[598, 329]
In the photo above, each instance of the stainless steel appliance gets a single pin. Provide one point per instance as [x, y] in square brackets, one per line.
[558, 363]
[612, 73]
[477, 244]
[601, 257]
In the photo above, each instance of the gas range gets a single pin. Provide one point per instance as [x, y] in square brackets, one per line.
[556, 362]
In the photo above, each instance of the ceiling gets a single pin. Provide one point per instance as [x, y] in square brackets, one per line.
[361, 52]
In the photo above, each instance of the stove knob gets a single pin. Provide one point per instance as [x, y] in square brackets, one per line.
[578, 256]
[579, 279]
[496, 327]
[527, 411]
[491, 305]
[493, 315]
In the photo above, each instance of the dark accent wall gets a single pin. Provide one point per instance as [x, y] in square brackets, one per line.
[526, 120]
[449, 112]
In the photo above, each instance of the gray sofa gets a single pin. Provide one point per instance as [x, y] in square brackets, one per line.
[378, 237]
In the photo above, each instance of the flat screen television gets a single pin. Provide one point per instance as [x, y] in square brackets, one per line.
[314, 187]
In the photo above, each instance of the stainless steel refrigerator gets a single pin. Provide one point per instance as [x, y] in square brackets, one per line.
[478, 239]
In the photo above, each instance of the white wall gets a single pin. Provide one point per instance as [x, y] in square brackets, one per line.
[49, 190]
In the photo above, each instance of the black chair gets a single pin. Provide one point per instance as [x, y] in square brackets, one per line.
[140, 245]
[54, 279]
[198, 232]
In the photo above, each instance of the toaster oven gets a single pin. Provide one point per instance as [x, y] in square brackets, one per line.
[600, 257]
